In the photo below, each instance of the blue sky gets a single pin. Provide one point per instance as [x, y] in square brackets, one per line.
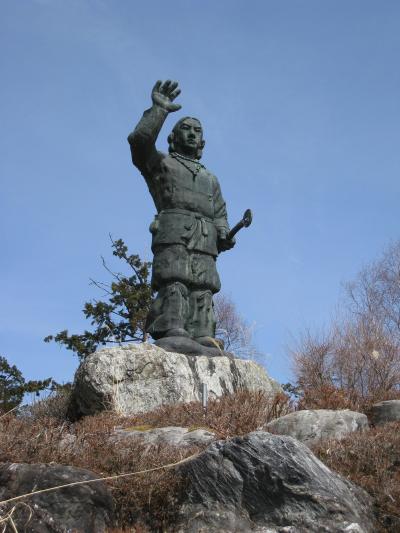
[300, 106]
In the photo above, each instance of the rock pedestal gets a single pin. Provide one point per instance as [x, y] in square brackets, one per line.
[140, 377]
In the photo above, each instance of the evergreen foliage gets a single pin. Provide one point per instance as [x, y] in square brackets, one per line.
[122, 317]
[13, 386]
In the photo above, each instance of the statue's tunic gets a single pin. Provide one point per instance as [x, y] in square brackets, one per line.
[191, 215]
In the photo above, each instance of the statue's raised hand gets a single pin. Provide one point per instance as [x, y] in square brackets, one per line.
[164, 93]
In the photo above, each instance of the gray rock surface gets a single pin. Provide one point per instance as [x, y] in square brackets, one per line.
[269, 483]
[173, 436]
[310, 426]
[386, 411]
[84, 508]
[139, 377]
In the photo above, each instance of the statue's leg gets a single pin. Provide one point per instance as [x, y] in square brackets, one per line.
[169, 312]
[204, 283]
[170, 277]
[202, 318]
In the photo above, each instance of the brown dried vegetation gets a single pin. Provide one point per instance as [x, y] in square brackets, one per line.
[147, 502]
[143, 499]
[149, 496]
[231, 415]
[370, 459]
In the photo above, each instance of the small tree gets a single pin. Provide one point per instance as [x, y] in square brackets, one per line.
[122, 317]
[13, 386]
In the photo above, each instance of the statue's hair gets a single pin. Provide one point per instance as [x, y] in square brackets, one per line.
[171, 136]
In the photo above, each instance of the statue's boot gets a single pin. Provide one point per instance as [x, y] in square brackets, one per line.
[169, 311]
[210, 342]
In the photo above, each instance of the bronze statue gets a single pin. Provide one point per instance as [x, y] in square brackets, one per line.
[190, 228]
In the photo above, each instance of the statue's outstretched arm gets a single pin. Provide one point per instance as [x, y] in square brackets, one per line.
[142, 140]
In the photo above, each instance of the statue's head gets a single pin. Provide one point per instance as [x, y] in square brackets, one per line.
[186, 138]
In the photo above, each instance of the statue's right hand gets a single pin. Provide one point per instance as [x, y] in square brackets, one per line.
[164, 93]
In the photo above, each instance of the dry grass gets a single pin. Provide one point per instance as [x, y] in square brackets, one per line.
[370, 459]
[148, 498]
[140, 501]
[228, 416]
[147, 503]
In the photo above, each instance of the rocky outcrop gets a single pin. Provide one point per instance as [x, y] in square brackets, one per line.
[268, 483]
[86, 508]
[140, 377]
[387, 411]
[171, 436]
[310, 426]
[260, 482]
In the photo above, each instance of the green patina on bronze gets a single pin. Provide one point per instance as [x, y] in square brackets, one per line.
[190, 228]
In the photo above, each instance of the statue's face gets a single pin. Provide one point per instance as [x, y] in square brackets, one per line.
[188, 137]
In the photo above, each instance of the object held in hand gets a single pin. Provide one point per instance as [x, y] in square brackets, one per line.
[244, 223]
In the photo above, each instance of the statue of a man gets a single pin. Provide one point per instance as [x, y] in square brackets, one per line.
[190, 227]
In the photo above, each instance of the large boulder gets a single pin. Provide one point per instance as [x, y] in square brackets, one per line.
[86, 508]
[268, 483]
[140, 377]
[310, 426]
[386, 411]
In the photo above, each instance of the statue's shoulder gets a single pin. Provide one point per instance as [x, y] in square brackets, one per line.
[149, 165]
[207, 172]
[212, 177]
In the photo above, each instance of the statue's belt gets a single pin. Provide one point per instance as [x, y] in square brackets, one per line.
[194, 230]
[178, 211]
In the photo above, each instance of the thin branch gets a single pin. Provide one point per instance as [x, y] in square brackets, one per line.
[114, 275]
[99, 286]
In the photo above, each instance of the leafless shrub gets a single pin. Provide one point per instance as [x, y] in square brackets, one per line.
[236, 333]
[375, 293]
[358, 358]
[230, 415]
